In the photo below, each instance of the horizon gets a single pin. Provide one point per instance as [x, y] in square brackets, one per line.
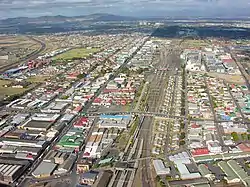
[133, 8]
[136, 17]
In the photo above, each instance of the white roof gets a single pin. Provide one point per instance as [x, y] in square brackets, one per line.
[160, 169]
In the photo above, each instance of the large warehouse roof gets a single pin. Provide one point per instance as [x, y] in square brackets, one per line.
[44, 169]
[160, 169]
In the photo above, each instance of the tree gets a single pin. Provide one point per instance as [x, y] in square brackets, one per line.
[139, 71]
[182, 142]
[235, 136]
[182, 136]
[158, 178]
[244, 136]
[81, 76]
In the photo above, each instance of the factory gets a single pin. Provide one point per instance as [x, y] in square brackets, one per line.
[40, 122]
[114, 121]
[45, 169]
[12, 169]
[160, 168]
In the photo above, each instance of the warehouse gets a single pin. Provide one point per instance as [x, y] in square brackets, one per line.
[56, 157]
[29, 150]
[205, 172]
[11, 169]
[231, 176]
[103, 178]
[67, 164]
[20, 142]
[37, 125]
[55, 107]
[184, 172]
[240, 172]
[160, 168]
[114, 121]
[19, 118]
[45, 169]
[67, 117]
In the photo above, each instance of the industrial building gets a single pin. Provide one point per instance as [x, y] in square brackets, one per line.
[20, 142]
[186, 168]
[11, 169]
[160, 168]
[45, 169]
[66, 165]
[55, 107]
[56, 156]
[40, 122]
[88, 178]
[231, 176]
[114, 121]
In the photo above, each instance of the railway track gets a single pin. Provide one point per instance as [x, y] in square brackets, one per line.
[30, 56]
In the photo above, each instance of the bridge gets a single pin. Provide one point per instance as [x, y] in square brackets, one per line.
[139, 113]
[149, 114]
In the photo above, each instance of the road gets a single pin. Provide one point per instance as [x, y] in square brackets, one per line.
[189, 181]
[85, 109]
[36, 162]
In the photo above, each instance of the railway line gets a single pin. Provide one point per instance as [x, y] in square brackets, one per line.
[30, 56]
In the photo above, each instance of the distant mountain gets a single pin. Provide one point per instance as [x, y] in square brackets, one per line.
[60, 19]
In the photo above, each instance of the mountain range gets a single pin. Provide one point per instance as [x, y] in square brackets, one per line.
[61, 19]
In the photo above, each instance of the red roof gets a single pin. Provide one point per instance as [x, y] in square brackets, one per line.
[86, 154]
[59, 90]
[200, 151]
[81, 122]
[88, 96]
[195, 126]
[78, 108]
[97, 100]
[244, 147]
[110, 90]
[227, 60]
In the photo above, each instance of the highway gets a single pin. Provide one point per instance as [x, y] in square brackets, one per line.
[30, 56]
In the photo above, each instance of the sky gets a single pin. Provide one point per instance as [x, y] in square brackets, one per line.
[135, 8]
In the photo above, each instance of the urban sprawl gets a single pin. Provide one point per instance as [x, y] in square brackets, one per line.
[127, 110]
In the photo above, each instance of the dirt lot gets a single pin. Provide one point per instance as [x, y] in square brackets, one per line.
[236, 79]
[16, 47]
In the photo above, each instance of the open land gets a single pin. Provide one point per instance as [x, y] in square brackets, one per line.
[76, 54]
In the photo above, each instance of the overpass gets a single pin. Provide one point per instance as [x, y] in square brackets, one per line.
[139, 113]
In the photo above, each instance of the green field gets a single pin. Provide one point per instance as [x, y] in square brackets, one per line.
[37, 79]
[76, 53]
[11, 91]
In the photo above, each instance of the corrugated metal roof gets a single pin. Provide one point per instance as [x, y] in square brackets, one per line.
[160, 168]
[231, 175]
[45, 168]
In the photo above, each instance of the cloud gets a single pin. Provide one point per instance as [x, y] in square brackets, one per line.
[12, 8]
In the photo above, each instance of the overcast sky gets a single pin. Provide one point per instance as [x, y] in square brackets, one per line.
[209, 8]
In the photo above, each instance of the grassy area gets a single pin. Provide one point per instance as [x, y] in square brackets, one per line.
[123, 140]
[134, 126]
[37, 79]
[11, 91]
[76, 53]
